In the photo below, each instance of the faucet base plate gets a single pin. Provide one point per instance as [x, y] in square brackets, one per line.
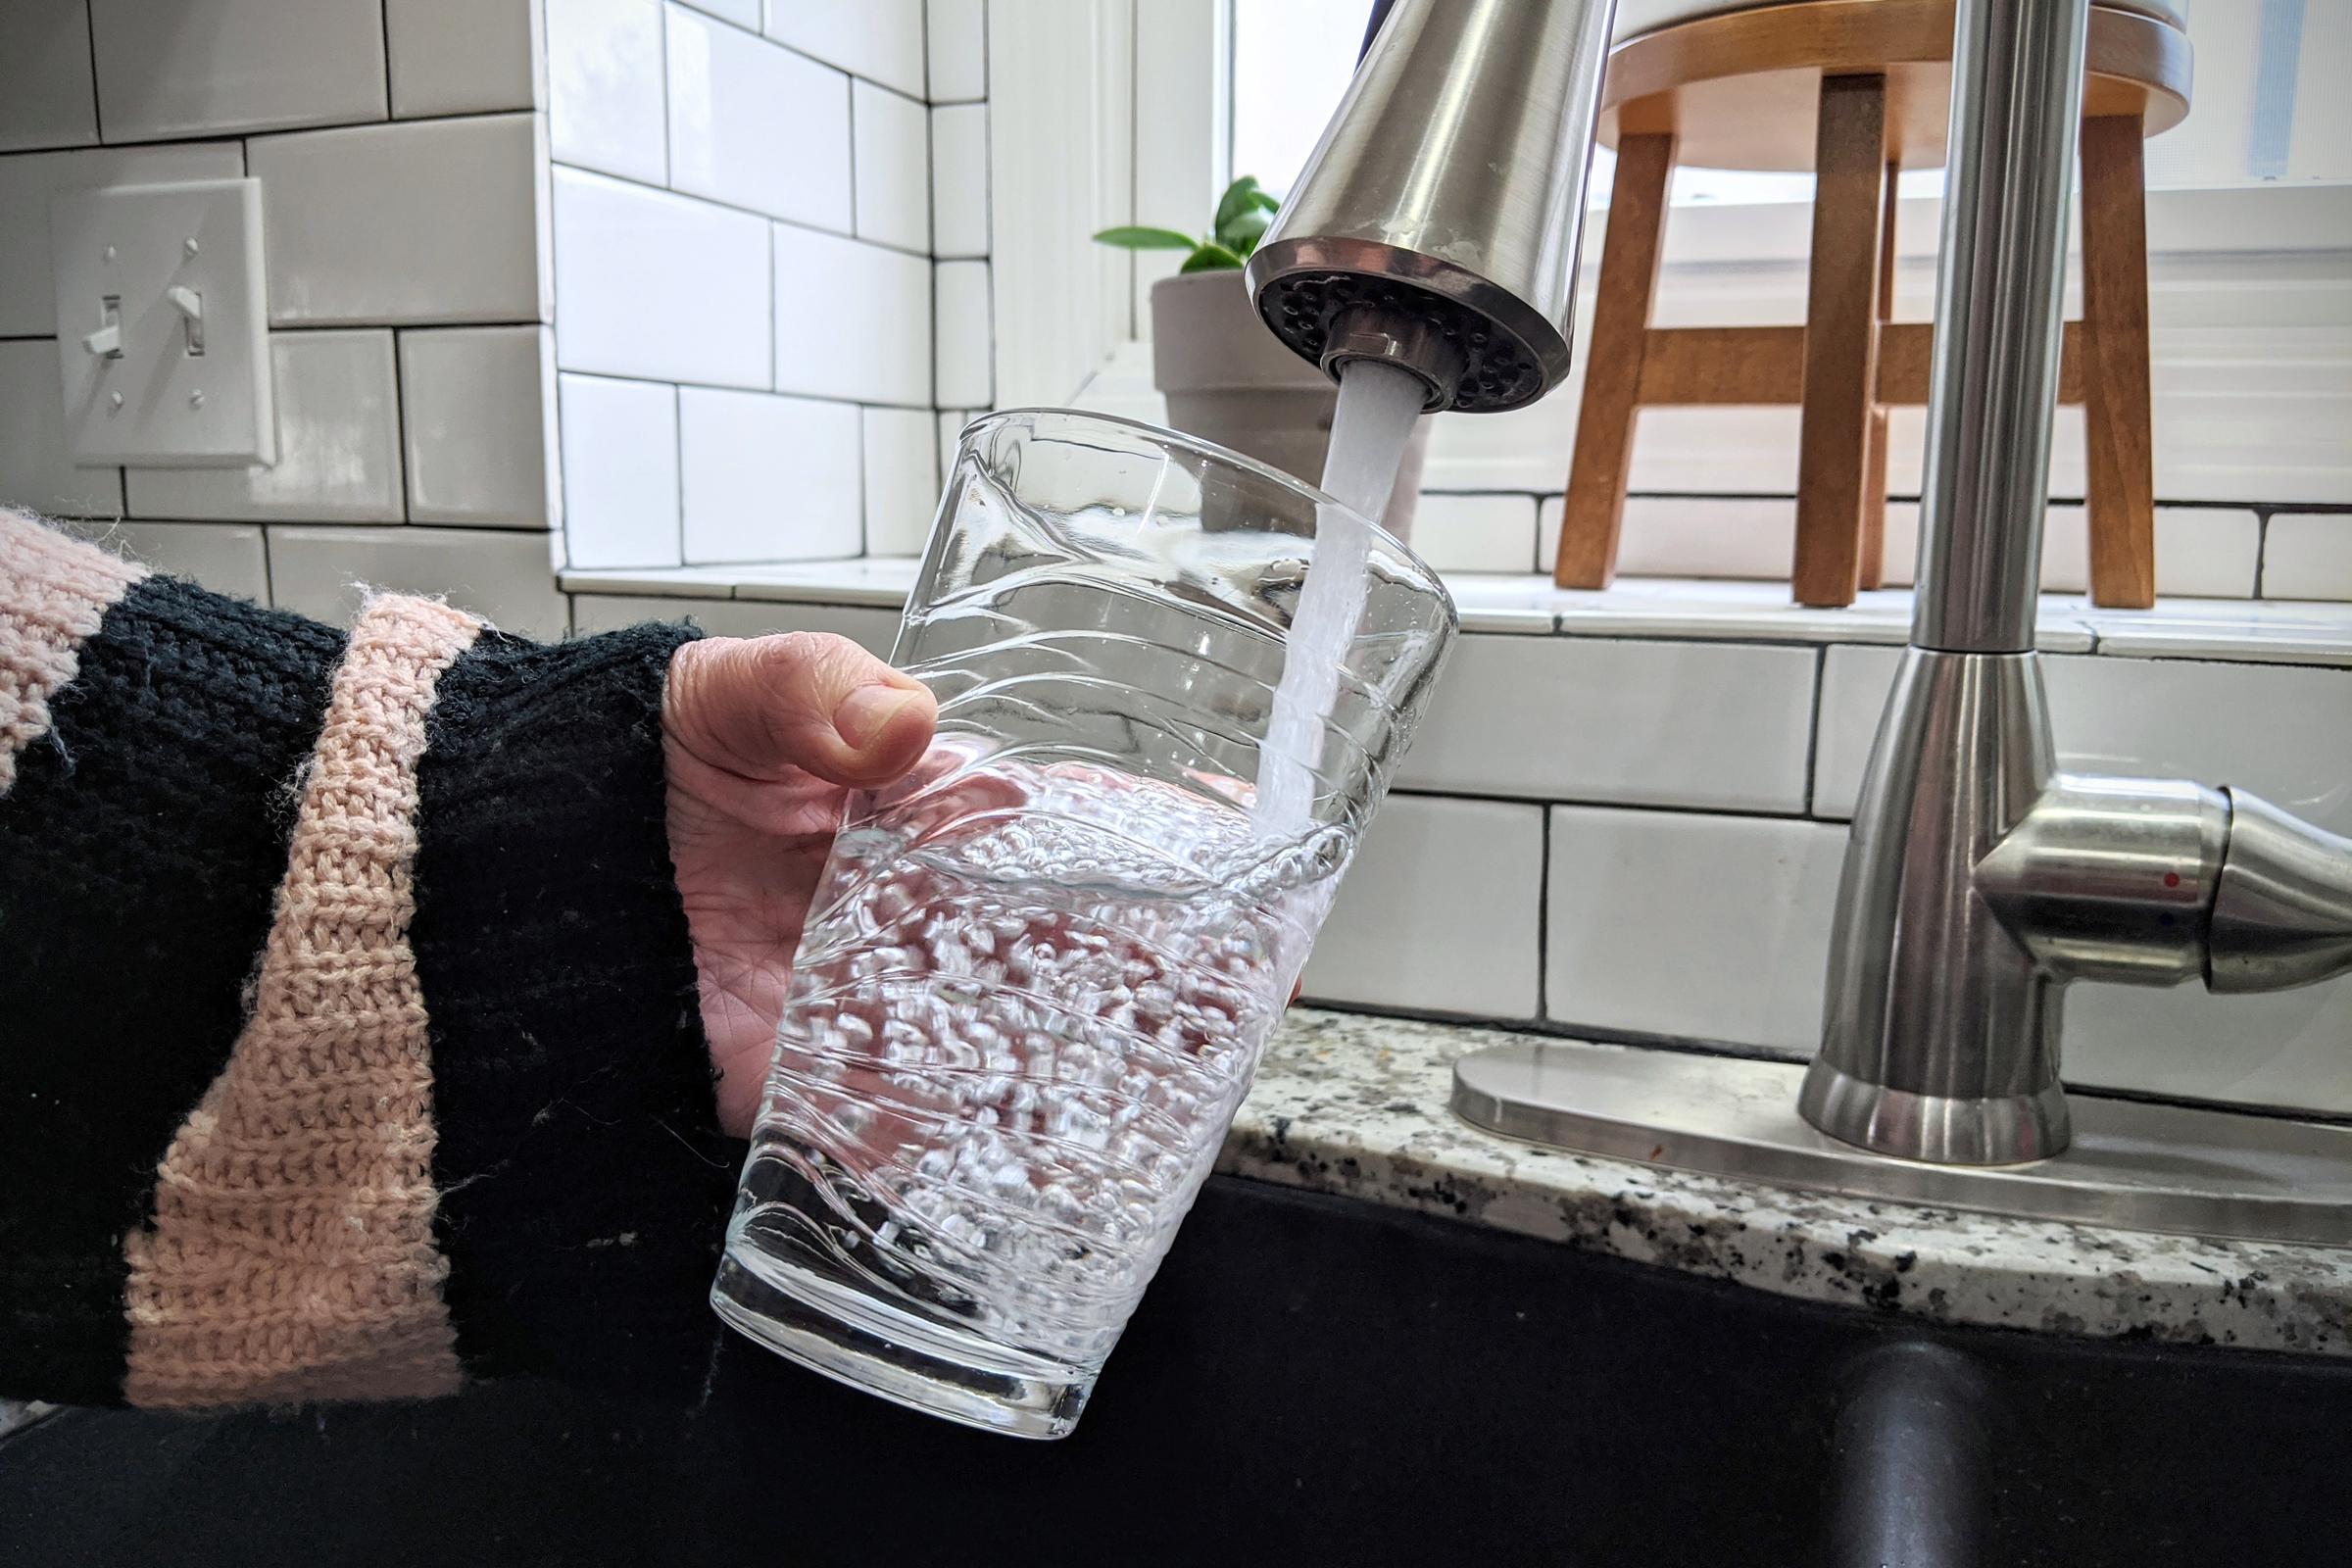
[2132, 1165]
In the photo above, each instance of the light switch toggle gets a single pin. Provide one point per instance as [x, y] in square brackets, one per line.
[107, 341]
[190, 306]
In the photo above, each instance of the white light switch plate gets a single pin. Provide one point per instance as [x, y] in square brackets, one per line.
[164, 387]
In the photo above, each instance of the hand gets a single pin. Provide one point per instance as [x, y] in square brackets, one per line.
[762, 739]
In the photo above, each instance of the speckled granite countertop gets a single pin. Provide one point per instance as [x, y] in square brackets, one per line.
[1357, 1106]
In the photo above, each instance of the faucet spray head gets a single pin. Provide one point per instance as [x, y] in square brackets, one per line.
[1436, 226]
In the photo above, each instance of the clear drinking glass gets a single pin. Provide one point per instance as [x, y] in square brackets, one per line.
[1036, 975]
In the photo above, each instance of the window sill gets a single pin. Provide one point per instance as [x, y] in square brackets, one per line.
[1677, 609]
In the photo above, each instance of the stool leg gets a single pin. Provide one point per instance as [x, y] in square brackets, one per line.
[1602, 462]
[1873, 472]
[1841, 339]
[2117, 417]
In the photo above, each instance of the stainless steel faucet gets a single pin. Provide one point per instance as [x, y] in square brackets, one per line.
[1436, 227]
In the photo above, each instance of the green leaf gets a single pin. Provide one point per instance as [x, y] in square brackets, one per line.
[1133, 238]
[1211, 258]
[1241, 236]
[1240, 197]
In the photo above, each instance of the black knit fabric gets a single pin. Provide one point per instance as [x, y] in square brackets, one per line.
[584, 1180]
[140, 850]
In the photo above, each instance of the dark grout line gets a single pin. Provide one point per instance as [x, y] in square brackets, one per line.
[749, 212]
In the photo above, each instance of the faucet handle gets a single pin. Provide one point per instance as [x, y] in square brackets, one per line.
[2283, 914]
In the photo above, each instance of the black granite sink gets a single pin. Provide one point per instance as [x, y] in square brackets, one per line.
[1311, 1381]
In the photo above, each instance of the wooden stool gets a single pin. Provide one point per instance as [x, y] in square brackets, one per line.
[1856, 91]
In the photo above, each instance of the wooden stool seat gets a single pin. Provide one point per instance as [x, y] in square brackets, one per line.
[1855, 90]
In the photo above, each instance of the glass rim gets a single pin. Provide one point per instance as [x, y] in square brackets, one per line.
[1228, 455]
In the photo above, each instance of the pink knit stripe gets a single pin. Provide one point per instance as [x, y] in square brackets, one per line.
[292, 1253]
[54, 591]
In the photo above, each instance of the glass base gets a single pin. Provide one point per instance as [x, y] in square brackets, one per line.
[868, 1345]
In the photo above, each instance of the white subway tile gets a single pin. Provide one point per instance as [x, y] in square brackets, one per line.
[1855, 683]
[225, 556]
[1476, 533]
[660, 286]
[967, 342]
[901, 480]
[1699, 927]
[506, 579]
[755, 125]
[47, 97]
[463, 57]
[36, 465]
[338, 442]
[853, 320]
[620, 472]
[2308, 555]
[429, 220]
[604, 86]
[1587, 718]
[28, 291]
[959, 180]
[951, 436]
[478, 424]
[1439, 912]
[2283, 731]
[894, 168]
[212, 66]
[881, 41]
[2284, 1048]
[874, 630]
[2207, 552]
[742, 12]
[767, 477]
[958, 38]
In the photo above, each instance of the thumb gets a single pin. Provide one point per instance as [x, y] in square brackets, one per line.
[764, 705]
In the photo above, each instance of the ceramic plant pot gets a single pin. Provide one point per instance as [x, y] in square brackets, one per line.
[1231, 381]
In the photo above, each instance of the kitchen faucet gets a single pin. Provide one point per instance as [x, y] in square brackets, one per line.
[1435, 228]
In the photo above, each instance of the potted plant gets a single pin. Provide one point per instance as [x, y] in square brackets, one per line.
[1226, 378]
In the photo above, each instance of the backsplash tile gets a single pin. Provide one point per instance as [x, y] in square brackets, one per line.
[2281, 731]
[503, 577]
[742, 12]
[658, 285]
[767, 477]
[477, 424]
[871, 629]
[47, 95]
[215, 65]
[1720, 725]
[1712, 928]
[463, 57]
[965, 375]
[881, 41]
[2308, 555]
[225, 557]
[27, 292]
[894, 168]
[853, 320]
[959, 180]
[606, 88]
[620, 472]
[431, 220]
[339, 438]
[901, 480]
[957, 38]
[36, 467]
[755, 125]
[1476, 533]
[1439, 911]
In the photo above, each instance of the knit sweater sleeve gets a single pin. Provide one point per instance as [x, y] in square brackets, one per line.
[349, 1044]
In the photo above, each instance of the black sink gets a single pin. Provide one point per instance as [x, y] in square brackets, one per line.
[1316, 1381]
